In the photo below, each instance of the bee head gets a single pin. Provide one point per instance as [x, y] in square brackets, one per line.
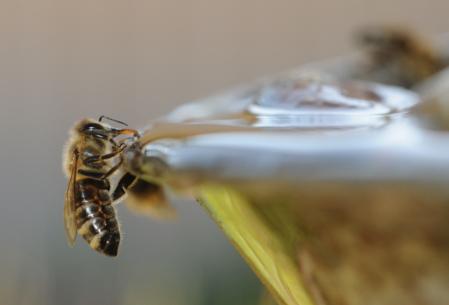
[94, 129]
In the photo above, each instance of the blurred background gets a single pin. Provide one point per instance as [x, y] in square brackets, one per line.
[136, 60]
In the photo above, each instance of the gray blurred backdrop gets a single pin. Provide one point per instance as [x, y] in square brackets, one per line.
[62, 60]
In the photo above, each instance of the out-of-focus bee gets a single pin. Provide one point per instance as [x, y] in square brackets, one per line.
[398, 57]
[88, 208]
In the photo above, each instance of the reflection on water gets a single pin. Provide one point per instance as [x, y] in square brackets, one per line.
[290, 103]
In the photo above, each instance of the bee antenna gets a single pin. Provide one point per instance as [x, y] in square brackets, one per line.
[111, 119]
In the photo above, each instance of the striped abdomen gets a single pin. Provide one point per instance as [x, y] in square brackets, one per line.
[96, 217]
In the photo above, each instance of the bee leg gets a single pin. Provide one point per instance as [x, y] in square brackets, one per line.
[123, 184]
[113, 169]
[114, 144]
[118, 146]
[93, 159]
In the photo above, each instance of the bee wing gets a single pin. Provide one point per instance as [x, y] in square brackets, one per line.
[69, 204]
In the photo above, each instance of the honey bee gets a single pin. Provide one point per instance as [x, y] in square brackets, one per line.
[88, 206]
[398, 56]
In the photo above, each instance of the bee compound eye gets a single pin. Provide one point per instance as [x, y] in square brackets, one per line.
[94, 129]
[92, 126]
